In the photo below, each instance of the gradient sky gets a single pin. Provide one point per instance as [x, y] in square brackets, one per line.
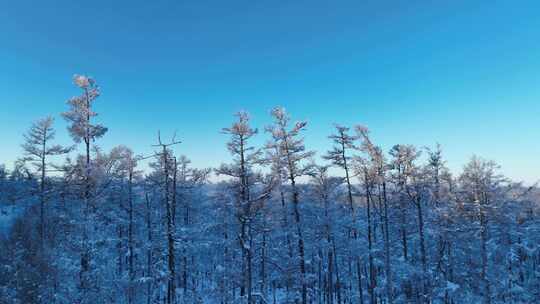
[465, 74]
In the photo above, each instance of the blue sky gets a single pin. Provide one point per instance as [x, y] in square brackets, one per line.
[461, 73]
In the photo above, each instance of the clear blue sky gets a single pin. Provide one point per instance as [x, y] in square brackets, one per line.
[462, 73]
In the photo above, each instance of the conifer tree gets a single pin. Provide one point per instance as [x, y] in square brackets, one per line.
[37, 150]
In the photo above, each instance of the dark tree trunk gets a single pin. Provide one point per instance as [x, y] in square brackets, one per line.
[130, 237]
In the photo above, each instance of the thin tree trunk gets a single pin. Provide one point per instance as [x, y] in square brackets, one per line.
[422, 250]
[388, 271]
[149, 250]
[421, 235]
[359, 274]
[338, 280]
[130, 236]
[170, 233]
[85, 252]
[372, 276]
[42, 191]
[484, 239]
[263, 265]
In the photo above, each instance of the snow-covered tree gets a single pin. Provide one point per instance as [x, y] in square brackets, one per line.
[379, 171]
[82, 129]
[251, 189]
[37, 150]
[368, 226]
[295, 156]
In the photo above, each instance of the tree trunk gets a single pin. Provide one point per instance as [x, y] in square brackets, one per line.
[372, 275]
[484, 240]
[148, 250]
[338, 280]
[330, 279]
[130, 236]
[359, 274]
[388, 271]
[85, 251]
[42, 192]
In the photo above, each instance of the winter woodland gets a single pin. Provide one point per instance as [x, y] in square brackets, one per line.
[274, 224]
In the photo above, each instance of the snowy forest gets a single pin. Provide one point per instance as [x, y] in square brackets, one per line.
[277, 223]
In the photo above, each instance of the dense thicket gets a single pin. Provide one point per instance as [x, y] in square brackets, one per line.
[361, 225]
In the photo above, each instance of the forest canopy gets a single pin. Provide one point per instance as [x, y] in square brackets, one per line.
[357, 224]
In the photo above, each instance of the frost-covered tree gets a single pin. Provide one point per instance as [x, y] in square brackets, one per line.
[80, 115]
[274, 227]
[326, 190]
[190, 184]
[167, 164]
[379, 170]
[340, 157]
[37, 150]
[82, 129]
[294, 154]
[411, 189]
[481, 186]
[126, 171]
[251, 188]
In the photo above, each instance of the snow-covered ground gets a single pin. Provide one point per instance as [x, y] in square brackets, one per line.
[8, 215]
